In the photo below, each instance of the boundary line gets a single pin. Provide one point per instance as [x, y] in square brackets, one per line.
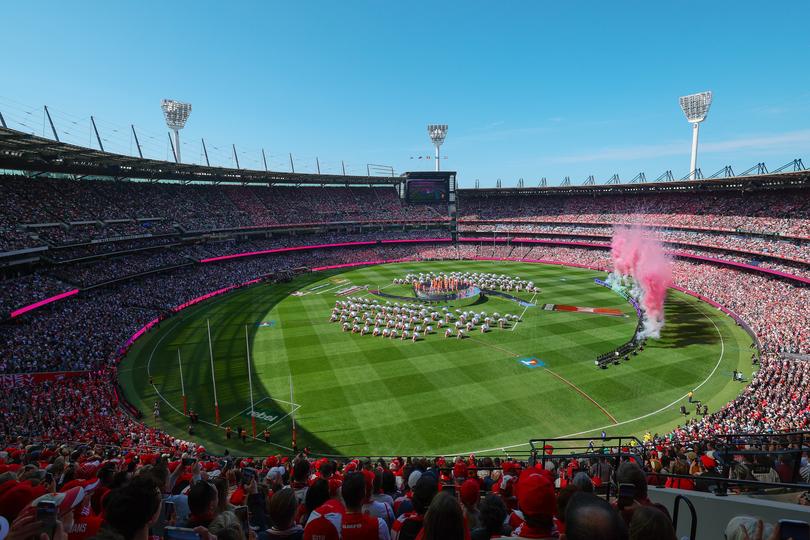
[167, 402]
[582, 392]
[560, 377]
[501, 448]
[642, 417]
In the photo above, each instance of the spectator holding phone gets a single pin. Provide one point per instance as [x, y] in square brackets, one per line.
[48, 517]
[630, 473]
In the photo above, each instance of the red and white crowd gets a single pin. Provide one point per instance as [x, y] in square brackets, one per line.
[70, 440]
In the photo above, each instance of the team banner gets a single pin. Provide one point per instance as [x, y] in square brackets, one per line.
[19, 379]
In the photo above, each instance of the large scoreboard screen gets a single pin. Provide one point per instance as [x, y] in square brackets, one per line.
[428, 191]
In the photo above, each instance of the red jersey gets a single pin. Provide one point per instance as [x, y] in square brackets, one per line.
[356, 526]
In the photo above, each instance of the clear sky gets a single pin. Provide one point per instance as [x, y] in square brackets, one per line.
[529, 89]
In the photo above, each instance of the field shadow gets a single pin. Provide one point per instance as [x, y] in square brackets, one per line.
[686, 326]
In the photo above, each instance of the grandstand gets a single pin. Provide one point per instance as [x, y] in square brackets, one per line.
[99, 248]
[284, 315]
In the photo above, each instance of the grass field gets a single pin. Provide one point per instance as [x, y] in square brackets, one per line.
[358, 395]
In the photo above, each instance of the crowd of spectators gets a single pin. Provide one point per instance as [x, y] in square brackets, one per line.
[776, 400]
[785, 212]
[20, 291]
[90, 210]
[29, 288]
[137, 487]
[87, 331]
[755, 245]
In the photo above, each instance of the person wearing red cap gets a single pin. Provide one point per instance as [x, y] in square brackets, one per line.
[459, 471]
[535, 495]
[372, 507]
[506, 487]
[470, 494]
[86, 523]
[14, 499]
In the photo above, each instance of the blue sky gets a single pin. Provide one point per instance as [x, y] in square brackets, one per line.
[529, 89]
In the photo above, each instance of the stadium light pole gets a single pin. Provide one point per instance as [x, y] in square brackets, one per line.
[695, 107]
[437, 133]
[176, 114]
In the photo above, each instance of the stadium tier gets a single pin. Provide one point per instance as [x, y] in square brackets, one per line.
[94, 271]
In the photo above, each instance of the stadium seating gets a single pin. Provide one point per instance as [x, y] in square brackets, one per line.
[133, 252]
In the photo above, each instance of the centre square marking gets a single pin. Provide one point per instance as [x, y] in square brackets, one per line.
[531, 362]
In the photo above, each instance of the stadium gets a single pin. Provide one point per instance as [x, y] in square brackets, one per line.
[252, 336]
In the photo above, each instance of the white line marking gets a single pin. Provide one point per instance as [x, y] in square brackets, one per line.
[167, 402]
[381, 288]
[524, 313]
[243, 410]
[662, 409]
[295, 407]
[333, 288]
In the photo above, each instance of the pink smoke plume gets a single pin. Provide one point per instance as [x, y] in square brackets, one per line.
[644, 260]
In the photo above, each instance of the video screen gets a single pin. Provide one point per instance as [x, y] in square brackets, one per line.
[427, 191]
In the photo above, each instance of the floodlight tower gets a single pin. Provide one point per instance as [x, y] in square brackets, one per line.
[437, 134]
[176, 114]
[695, 107]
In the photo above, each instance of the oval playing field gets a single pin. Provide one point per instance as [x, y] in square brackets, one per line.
[364, 395]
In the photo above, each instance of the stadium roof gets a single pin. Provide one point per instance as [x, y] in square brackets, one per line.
[776, 180]
[25, 152]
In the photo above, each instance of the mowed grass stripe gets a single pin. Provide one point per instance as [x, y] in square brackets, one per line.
[365, 395]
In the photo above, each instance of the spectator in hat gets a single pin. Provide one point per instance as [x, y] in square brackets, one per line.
[470, 494]
[588, 517]
[66, 502]
[535, 495]
[404, 503]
